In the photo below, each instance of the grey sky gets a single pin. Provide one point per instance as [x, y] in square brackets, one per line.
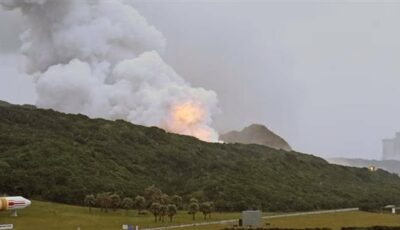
[324, 76]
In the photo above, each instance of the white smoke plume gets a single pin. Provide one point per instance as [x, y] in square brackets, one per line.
[101, 58]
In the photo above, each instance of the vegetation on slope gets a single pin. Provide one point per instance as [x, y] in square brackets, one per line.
[388, 165]
[60, 157]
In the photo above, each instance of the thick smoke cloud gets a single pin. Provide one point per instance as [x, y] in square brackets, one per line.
[101, 58]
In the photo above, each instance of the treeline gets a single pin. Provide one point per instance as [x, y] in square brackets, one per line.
[153, 200]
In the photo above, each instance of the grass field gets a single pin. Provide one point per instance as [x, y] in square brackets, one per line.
[331, 220]
[43, 215]
[336, 220]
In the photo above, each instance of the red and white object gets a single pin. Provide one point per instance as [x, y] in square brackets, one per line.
[13, 203]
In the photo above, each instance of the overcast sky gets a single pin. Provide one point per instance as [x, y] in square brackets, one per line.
[324, 76]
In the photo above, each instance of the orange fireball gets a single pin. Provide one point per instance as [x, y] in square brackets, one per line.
[188, 118]
[187, 113]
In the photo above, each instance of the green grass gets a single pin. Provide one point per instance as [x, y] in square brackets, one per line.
[44, 215]
[335, 221]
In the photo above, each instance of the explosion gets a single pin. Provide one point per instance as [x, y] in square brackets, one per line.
[187, 113]
[186, 118]
[101, 58]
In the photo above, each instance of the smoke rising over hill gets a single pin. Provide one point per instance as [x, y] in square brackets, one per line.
[324, 76]
[101, 58]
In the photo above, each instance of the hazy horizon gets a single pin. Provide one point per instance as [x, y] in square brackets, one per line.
[322, 75]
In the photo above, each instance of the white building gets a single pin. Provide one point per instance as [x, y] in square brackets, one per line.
[391, 148]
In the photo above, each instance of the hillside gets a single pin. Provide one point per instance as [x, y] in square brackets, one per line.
[388, 165]
[256, 134]
[59, 157]
[5, 104]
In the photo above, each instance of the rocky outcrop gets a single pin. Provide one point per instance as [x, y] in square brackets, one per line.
[256, 134]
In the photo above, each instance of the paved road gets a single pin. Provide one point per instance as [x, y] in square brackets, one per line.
[264, 217]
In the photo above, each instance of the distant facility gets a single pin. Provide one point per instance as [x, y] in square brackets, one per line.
[391, 148]
[372, 168]
[251, 219]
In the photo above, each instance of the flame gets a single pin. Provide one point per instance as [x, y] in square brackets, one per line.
[187, 113]
[202, 134]
[188, 118]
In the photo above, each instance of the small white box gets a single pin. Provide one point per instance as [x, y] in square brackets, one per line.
[251, 218]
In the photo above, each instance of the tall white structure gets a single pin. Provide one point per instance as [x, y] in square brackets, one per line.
[391, 148]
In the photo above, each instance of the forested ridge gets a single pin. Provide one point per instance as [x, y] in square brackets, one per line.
[59, 157]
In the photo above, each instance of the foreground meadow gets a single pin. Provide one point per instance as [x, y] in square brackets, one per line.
[334, 221]
[45, 215]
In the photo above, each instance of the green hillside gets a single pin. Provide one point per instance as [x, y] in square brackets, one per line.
[59, 157]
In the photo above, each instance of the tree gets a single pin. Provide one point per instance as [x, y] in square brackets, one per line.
[164, 199]
[212, 208]
[104, 201]
[220, 206]
[193, 208]
[155, 209]
[99, 201]
[115, 201]
[153, 194]
[163, 212]
[171, 211]
[206, 208]
[140, 203]
[177, 200]
[127, 203]
[90, 201]
[193, 200]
